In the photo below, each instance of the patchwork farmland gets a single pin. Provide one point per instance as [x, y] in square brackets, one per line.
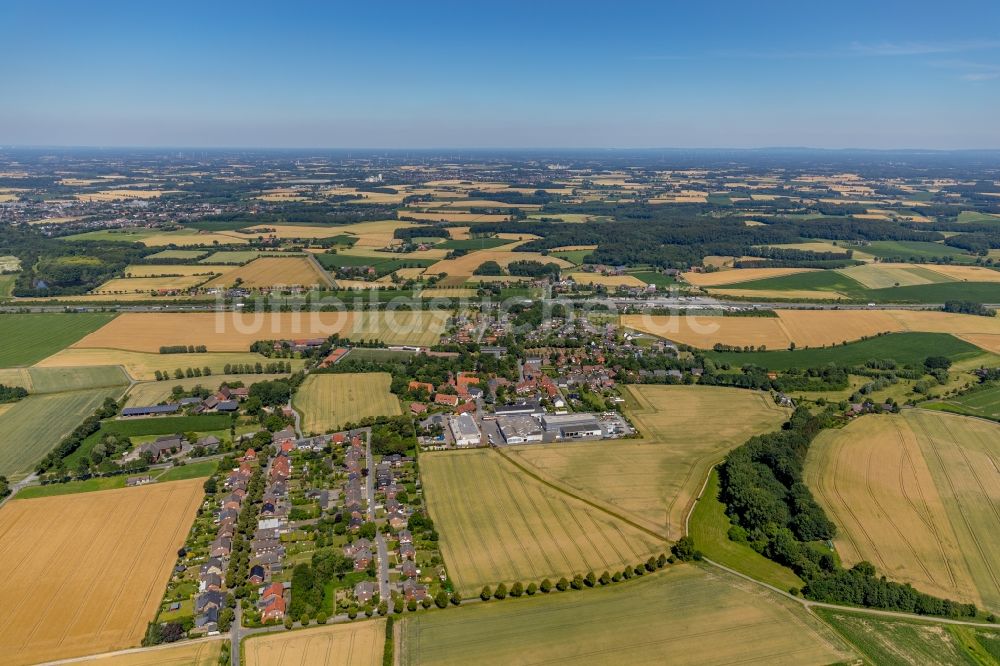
[814, 328]
[519, 528]
[267, 272]
[655, 480]
[916, 495]
[688, 615]
[328, 401]
[85, 573]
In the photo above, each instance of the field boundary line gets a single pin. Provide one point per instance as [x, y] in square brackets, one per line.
[137, 650]
[586, 501]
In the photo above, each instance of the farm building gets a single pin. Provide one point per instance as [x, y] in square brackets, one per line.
[151, 410]
[572, 426]
[519, 428]
[465, 430]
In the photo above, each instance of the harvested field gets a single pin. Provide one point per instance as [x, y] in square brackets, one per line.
[815, 328]
[267, 272]
[113, 195]
[154, 270]
[607, 280]
[654, 481]
[465, 265]
[85, 573]
[519, 528]
[328, 401]
[201, 653]
[457, 292]
[917, 495]
[966, 273]
[234, 331]
[145, 285]
[881, 275]
[705, 330]
[688, 615]
[735, 276]
[143, 365]
[28, 338]
[355, 644]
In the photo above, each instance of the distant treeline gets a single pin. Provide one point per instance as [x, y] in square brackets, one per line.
[183, 349]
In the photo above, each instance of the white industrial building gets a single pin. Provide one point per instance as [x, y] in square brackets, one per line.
[519, 428]
[572, 426]
[465, 431]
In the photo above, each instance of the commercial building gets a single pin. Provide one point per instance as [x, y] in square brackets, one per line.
[464, 430]
[519, 428]
[572, 426]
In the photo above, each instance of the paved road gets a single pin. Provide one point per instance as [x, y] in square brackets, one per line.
[236, 633]
[298, 419]
[383, 567]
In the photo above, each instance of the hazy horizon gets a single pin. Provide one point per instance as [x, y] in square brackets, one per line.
[449, 76]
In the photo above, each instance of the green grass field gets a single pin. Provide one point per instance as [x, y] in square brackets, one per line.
[473, 244]
[328, 401]
[684, 615]
[810, 280]
[73, 487]
[982, 402]
[572, 256]
[28, 338]
[709, 527]
[904, 348]
[31, 427]
[234, 257]
[58, 380]
[975, 216]
[189, 255]
[7, 285]
[652, 277]
[915, 250]
[168, 425]
[901, 642]
[378, 355]
[192, 471]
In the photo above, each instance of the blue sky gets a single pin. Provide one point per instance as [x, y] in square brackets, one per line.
[511, 74]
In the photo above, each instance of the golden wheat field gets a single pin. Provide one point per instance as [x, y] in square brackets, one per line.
[518, 528]
[607, 280]
[655, 480]
[917, 495]
[85, 573]
[112, 195]
[718, 278]
[194, 653]
[354, 644]
[966, 273]
[145, 285]
[142, 366]
[504, 255]
[156, 270]
[235, 331]
[683, 616]
[327, 402]
[267, 272]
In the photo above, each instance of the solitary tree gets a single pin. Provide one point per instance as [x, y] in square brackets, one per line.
[486, 593]
[516, 589]
[546, 586]
[501, 592]
[531, 589]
